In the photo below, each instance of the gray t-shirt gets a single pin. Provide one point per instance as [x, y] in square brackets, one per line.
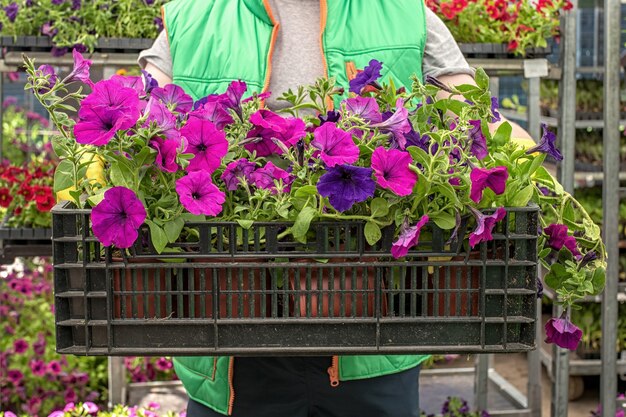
[297, 58]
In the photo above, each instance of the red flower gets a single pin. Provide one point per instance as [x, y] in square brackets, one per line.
[5, 197]
[26, 191]
[568, 5]
[513, 45]
[493, 12]
[448, 11]
[45, 203]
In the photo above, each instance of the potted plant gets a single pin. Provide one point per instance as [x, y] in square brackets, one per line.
[395, 181]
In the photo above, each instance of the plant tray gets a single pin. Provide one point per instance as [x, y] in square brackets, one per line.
[236, 291]
[24, 242]
[43, 44]
[500, 51]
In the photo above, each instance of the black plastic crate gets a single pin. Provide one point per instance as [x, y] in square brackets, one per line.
[24, 242]
[500, 51]
[44, 44]
[257, 291]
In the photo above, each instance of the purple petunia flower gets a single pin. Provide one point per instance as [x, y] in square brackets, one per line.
[149, 81]
[158, 22]
[80, 47]
[58, 2]
[43, 71]
[20, 346]
[345, 185]
[117, 218]
[558, 237]
[268, 126]
[199, 195]
[563, 332]
[494, 178]
[478, 141]
[158, 113]
[54, 367]
[167, 151]
[174, 98]
[485, 225]
[267, 176]
[235, 171]
[57, 52]
[76, 4]
[397, 125]
[80, 72]
[392, 170]
[15, 376]
[39, 346]
[331, 116]
[369, 76]
[163, 364]
[38, 367]
[494, 110]
[214, 112]
[128, 81]
[336, 145]
[547, 144]
[208, 144]
[364, 107]
[11, 11]
[409, 237]
[47, 29]
[70, 396]
[434, 81]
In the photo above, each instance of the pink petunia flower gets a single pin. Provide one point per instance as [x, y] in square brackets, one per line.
[269, 126]
[90, 407]
[54, 367]
[199, 195]
[128, 81]
[206, 142]
[236, 171]
[558, 237]
[167, 152]
[364, 107]
[267, 176]
[80, 72]
[70, 406]
[562, 332]
[15, 376]
[70, 396]
[392, 170]
[494, 178]
[117, 218]
[38, 367]
[409, 237]
[174, 98]
[163, 364]
[485, 225]
[20, 346]
[336, 145]
[159, 114]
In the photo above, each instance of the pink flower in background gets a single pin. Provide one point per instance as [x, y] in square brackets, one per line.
[39, 346]
[267, 176]
[90, 407]
[206, 142]
[38, 367]
[163, 364]
[494, 178]
[54, 367]
[70, 396]
[15, 376]
[336, 145]
[409, 237]
[174, 98]
[80, 72]
[117, 218]
[199, 195]
[392, 170]
[485, 225]
[20, 346]
[70, 406]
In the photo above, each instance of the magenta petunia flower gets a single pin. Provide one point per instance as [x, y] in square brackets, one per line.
[268, 126]
[199, 195]
[206, 142]
[213, 111]
[15, 376]
[558, 237]
[70, 406]
[90, 407]
[409, 237]
[478, 146]
[563, 332]
[80, 72]
[136, 83]
[267, 176]
[164, 119]
[163, 364]
[397, 125]
[20, 346]
[54, 367]
[392, 170]
[70, 396]
[369, 76]
[485, 225]
[38, 367]
[43, 71]
[336, 145]
[39, 346]
[345, 185]
[231, 99]
[174, 98]
[364, 107]
[494, 178]
[235, 171]
[117, 218]
[167, 151]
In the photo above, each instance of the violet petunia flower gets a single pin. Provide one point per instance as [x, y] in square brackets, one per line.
[80, 72]
[392, 170]
[199, 195]
[214, 112]
[409, 237]
[336, 145]
[494, 110]
[266, 177]
[164, 119]
[364, 107]
[397, 125]
[57, 52]
[478, 146]
[43, 71]
[369, 76]
[414, 138]
[485, 225]
[206, 142]
[158, 22]
[167, 151]
[558, 237]
[268, 126]
[76, 4]
[494, 178]
[434, 81]
[236, 171]
[345, 185]
[47, 29]
[547, 144]
[562, 332]
[129, 81]
[331, 116]
[149, 81]
[117, 218]
[11, 11]
[174, 98]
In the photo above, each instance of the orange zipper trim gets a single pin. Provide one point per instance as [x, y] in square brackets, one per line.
[231, 397]
[323, 16]
[167, 36]
[268, 76]
[351, 71]
[214, 368]
[333, 372]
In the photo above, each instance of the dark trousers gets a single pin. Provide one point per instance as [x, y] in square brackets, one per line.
[300, 387]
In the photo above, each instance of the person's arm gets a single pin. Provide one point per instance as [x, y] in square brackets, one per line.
[157, 60]
[157, 74]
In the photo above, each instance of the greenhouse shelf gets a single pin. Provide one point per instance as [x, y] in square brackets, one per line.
[24, 242]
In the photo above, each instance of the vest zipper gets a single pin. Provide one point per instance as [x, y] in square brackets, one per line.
[231, 396]
[333, 372]
[266, 84]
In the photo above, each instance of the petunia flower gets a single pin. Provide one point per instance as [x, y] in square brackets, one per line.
[434, 81]
[547, 144]
[20, 346]
[409, 237]
[149, 81]
[485, 225]
[163, 364]
[331, 116]
[364, 107]
[558, 237]
[397, 125]
[15, 376]
[267, 176]
[267, 126]
[158, 22]
[80, 72]
[173, 97]
[336, 145]
[494, 110]
[345, 185]
[167, 151]
[128, 81]
[199, 195]
[235, 171]
[54, 367]
[164, 119]
[11, 11]
[234, 93]
[494, 178]
[37, 367]
[90, 407]
[214, 112]
[117, 218]
[478, 146]
[369, 76]
[392, 170]
[48, 29]
[206, 142]
[563, 332]
[43, 71]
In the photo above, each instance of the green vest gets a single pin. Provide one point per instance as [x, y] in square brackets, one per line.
[215, 42]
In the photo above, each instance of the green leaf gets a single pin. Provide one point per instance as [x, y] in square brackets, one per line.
[447, 191]
[173, 228]
[121, 175]
[63, 175]
[536, 163]
[59, 147]
[598, 280]
[372, 233]
[544, 252]
[246, 224]
[592, 231]
[444, 220]
[189, 217]
[554, 279]
[302, 223]
[380, 207]
[522, 197]
[306, 191]
[502, 135]
[95, 199]
[419, 155]
[481, 78]
[144, 157]
[158, 236]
